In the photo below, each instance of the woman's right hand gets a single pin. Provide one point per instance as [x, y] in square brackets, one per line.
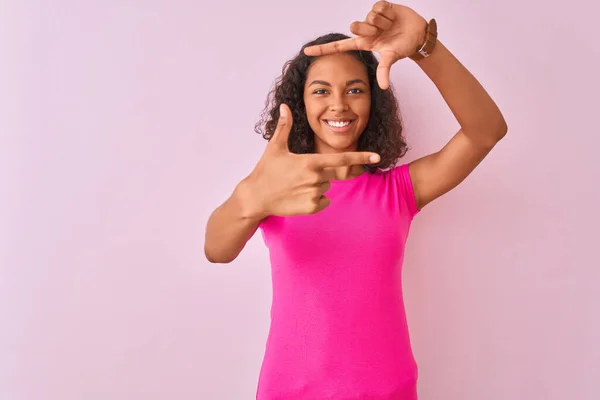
[288, 184]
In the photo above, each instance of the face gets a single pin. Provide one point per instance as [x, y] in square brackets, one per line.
[338, 102]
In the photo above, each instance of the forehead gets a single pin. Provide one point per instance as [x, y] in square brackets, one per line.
[340, 66]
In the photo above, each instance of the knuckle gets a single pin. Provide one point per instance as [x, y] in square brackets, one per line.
[381, 6]
[325, 202]
[306, 163]
[312, 208]
[372, 16]
[315, 178]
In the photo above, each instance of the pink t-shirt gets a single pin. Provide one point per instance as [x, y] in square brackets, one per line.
[338, 325]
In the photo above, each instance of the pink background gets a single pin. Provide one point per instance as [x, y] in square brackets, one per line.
[123, 124]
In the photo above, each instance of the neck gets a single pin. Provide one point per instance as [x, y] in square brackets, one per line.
[343, 173]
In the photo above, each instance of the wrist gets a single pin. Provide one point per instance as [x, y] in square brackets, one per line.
[428, 43]
[246, 196]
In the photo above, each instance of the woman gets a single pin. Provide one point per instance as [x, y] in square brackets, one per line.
[338, 326]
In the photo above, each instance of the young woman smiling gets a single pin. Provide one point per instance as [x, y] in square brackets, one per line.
[335, 210]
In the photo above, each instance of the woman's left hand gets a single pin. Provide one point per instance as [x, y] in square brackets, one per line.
[392, 30]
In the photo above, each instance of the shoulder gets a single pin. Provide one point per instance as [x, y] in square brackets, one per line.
[400, 176]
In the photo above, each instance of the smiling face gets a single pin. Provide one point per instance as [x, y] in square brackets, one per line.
[338, 102]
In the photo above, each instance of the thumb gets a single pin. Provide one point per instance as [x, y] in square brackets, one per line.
[383, 70]
[284, 126]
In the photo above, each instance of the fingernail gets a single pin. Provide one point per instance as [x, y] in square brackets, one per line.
[374, 158]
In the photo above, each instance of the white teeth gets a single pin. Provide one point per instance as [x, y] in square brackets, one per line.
[338, 124]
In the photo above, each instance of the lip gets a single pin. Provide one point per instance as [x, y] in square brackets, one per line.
[344, 129]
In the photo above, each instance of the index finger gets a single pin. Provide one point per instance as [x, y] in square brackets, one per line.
[339, 46]
[321, 161]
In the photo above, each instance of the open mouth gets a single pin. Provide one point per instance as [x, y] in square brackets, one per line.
[340, 126]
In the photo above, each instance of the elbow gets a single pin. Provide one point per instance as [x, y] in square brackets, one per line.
[499, 128]
[493, 134]
[216, 259]
[502, 129]
[213, 260]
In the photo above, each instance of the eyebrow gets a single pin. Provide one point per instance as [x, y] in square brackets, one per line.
[351, 82]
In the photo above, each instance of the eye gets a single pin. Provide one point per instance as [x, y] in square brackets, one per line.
[352, 91]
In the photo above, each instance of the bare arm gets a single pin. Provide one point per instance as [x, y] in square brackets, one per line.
[282, 184]
[230, 226]
[395, 31]
[482, 126]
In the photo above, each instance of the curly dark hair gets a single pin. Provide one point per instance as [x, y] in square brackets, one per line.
[383, 133]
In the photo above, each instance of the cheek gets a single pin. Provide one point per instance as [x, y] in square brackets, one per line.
[311, 115]
[313, 111]
[363, 110]
[364, 107]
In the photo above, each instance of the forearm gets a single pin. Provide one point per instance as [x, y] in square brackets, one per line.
[478, 115]
[230, 227]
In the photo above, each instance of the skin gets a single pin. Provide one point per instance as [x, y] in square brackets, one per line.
[395, 31]
[337, 87]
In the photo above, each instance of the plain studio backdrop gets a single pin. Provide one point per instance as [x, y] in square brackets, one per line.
[124, 124]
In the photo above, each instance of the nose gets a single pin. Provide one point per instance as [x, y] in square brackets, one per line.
[338, 103]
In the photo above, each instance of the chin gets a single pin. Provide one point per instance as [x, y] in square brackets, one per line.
[340, 144]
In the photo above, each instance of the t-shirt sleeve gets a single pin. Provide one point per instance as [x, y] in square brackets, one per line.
[405, 188]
